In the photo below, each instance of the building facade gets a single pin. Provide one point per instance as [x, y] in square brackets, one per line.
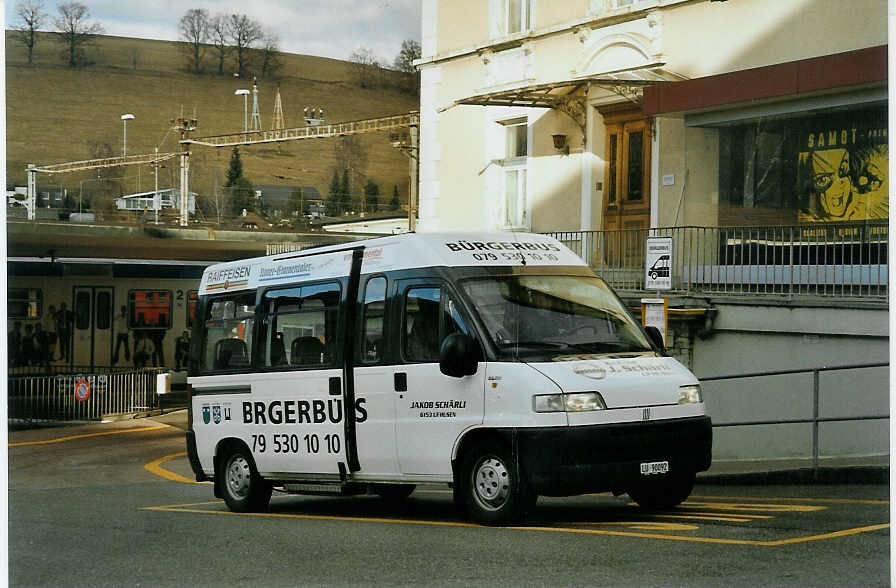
[650, 113]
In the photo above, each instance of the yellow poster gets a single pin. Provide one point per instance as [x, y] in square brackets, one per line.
[842, 174]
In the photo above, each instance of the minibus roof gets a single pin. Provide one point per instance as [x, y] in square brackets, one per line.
[395, 252]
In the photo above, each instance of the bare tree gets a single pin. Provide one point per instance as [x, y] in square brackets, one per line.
[75, 30]
[194, 32]
[269, 55]
[366, 66]
[244, 34]
[219, 37]
[32, 15]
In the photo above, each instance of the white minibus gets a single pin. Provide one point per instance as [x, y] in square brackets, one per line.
[499, 364]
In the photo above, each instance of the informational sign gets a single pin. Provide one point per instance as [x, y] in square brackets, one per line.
[658, 264]
[82, 390]
[655, 313]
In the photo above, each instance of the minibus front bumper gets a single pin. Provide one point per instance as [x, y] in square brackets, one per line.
[563, 461]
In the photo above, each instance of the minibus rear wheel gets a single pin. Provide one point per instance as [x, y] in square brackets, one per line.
[244, 490]
[663, 493]
[492, 486]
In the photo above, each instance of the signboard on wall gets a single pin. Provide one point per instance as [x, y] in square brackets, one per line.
[658, 264]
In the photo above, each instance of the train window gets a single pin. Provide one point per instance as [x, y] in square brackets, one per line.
[24, 303]
[149, 309]
[103, 310]
[229, 322]
[192, 305]
[82, 310]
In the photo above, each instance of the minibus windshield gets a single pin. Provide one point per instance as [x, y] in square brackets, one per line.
[542, 318]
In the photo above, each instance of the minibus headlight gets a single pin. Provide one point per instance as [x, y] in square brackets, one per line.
[690, 394]
[579, 402]
[549, 403]
[584, 401]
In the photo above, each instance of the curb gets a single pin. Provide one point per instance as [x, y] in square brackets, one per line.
[801, 476]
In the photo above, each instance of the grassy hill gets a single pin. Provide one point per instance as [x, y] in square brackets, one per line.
[56, 114]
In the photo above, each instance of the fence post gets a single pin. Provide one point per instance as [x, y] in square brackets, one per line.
[815, 383]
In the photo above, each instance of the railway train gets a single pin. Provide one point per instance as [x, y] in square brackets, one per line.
[68, 313]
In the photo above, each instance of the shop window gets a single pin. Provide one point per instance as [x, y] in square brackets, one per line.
[824, 168]
[149, 309]
[24, 303]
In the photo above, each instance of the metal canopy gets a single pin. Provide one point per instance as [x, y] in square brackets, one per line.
[570, 96]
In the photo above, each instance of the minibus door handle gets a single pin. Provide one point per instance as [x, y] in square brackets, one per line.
[335, 386]
[401, 382]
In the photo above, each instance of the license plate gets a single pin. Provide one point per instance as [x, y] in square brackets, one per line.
[654, 467]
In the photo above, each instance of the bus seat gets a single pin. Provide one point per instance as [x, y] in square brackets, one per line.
[231, 353]
[278, 350]
[306, 351]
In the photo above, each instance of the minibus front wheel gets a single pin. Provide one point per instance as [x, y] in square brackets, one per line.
[492, 486]
[243, 489]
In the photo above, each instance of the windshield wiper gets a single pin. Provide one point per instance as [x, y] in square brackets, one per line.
[604, 346]
[547, 344]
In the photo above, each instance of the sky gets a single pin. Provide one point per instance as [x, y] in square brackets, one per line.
[326, 28]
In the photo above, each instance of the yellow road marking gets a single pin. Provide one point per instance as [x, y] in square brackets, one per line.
[73, 437]
[640, 535]
[708, 517]
[155, 467]
[753, 507]
[821, 500]
[646, 525]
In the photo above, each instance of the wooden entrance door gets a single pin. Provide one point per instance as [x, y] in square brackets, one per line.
[626, 184]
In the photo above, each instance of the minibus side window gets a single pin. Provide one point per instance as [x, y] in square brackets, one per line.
[229, 323]
[372, 320]
[300, 326]
[421, 324]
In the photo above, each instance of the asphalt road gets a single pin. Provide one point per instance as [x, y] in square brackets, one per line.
[118, 508]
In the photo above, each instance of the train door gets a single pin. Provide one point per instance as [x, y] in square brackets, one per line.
[92, 331]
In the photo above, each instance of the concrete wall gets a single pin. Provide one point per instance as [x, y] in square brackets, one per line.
[750, 338]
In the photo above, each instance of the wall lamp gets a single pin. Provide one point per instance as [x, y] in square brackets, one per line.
[560, 144]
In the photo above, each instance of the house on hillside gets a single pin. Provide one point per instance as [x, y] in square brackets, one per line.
[167, 198]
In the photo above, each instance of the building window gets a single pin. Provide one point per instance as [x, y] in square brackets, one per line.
[515, 173]
[519, 15]
[23, 303]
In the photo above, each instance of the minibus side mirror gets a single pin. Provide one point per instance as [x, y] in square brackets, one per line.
[458, 356]
[655, 337]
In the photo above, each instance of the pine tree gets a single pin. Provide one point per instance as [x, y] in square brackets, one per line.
[236, 168]
[243, 196]
[333, 198]
[394, 204]
[371, 195]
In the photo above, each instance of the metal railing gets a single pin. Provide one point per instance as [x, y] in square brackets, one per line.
[816, 419]
[833, 260]
[61, 397]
